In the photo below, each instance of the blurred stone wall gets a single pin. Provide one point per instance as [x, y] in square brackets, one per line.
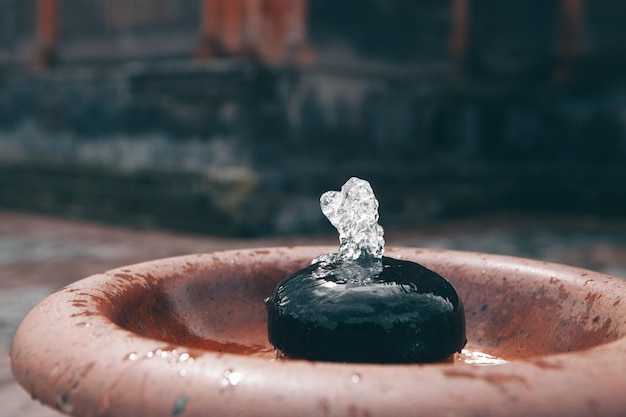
[106, 30]
[17, 28]
[128, 128]
[164, 145]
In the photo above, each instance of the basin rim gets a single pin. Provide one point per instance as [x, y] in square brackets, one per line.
[49, 355]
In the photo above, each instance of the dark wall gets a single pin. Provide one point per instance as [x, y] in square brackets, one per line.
[513, 38]
[396, 30]
[122, 30]
[513, 125]
[17, 28]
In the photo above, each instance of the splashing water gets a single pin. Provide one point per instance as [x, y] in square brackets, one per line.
[354, 213]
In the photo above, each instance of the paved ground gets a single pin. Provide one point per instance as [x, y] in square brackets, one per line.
[39, 255]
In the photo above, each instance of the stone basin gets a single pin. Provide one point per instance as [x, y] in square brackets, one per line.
[187, 336]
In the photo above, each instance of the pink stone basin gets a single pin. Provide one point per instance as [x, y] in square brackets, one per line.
[187, 336]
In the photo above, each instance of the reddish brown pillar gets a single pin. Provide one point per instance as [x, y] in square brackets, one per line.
[285, 35]
[460, 32]
[223, 28]
[232, 28]
[569, 37]
[299, 49]
[47, 27]
[254, 23]
[570, 28]
[210, 43]
[275, 30]
[275, 44]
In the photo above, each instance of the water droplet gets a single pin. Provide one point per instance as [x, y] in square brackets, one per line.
[149, 354]
[132, 356]
[231, 378]
[182, 372]
[355, 378]
[183, 357]
[64, 404]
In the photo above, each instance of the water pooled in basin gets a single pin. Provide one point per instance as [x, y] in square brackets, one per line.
[477, 358]
[467, 357]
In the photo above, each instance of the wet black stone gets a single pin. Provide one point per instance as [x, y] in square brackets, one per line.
[404, 313]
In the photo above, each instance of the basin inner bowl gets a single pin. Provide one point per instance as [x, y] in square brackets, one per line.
[514, 308]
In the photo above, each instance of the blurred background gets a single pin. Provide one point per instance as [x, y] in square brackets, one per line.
[231, 117]
[139, 129]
